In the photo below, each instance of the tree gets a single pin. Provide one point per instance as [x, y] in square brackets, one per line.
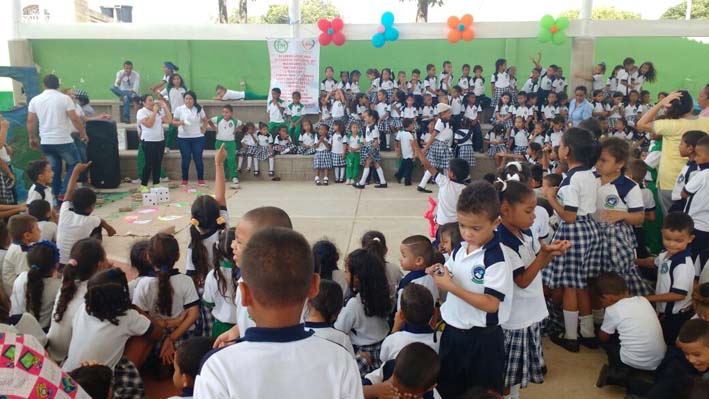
[604, 13]
[310, 12]
[422, 8]
[223, 14]
[700, 10]
[239, 15]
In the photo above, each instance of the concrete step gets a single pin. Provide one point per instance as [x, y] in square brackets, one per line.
[246, 110]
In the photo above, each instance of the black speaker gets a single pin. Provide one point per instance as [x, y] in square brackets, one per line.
[102, 151]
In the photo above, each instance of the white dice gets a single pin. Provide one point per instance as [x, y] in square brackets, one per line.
[162, 193]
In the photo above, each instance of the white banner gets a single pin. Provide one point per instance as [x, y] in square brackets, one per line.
[295, 66]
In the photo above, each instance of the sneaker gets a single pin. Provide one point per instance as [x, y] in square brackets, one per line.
[382, 185]
[256, 173]
[271, 173]
[144, 189]
[276, 178]
[359, 186]
[136, 181]
[184, 183]
[423, 190]
[202, 183]
[317, 182]
[165, 179]
[326, 181]
[235, 181]
[602, 376]
[408, 183]
[590, 343]
[571, 345]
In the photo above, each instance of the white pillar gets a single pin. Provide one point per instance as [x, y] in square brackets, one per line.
[585, 15]
[294, 17]
[16, 13]
[688, 12]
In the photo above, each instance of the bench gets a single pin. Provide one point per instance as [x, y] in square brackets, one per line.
[246, 110]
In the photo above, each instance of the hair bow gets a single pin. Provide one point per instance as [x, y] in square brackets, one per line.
[514, 177]
[503, 183]
[220, 220]
[194, 222]
[46, 243]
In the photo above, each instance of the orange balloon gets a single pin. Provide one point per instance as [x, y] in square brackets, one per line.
[454, 35]
[467, 20]
[453, 22]
[468, 35]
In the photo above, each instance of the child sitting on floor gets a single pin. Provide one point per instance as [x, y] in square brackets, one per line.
[188, 359]
[411, 323]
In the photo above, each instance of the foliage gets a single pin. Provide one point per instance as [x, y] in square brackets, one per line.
[311, 11]
[603, 13]
[700, 10]
[422, 8]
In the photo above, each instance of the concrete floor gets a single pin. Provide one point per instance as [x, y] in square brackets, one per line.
[342, 214]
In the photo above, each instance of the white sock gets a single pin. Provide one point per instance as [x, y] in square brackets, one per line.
[425, 179]
[380, 172]
[241, 162]
[317, 179]
[365, 175]
[586, 323]
[271, 162]
[248, 162]
[337, 173]
[598, 316]
[342, 173]
[514, 391]
[571, 322]
[256, 165]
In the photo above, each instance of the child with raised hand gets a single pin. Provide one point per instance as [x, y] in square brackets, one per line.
[187, 362]
[365, 314]
[416, 256]
[41, 174]
[323, 310]
[23, 230]
[140, 262]
[36, 290]
[413, 374]
[278, 278]
[411, 323]
[42, 211]
[219, 287]
[526, 257]
[106, 316]
[479, 286]
[86, 259]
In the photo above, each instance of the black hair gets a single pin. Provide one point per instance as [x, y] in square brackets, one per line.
[460, 169]
[703, 143]
[477, 68]
[139, 257]
[692, 137]
[617, 148]
[438, 257]
[596, 92]
[206, 211]
[611, 283]
[219, 87]
[36, 168]
[4, 234]
[636, 169]
[228, 107]
[454, 230]
[519, 169]
[224, 254]
[329, 300]
[489, 177]
[500, 62]
[417, 367]
[628, 61]
[107, 296]
[678, 221]
[325, 256]
[84, 261]
[338, 127]
[537, 150]
[554, 179]
[417, 304]
[164, 252]
[96, 380]
[42, 259]
[479, 197]
[374, 241]
[651, 74]
[559, 120]
[582, 146]
[51, 81]
[194, 97]
[593, 125]
[268, 216]
[276, 90]
[429, 67]
[190, 354]
[39, 208]
[700, 296]
[581, 88]
[128, 62]
[170, 85]
[374, 114]
[83, 199]
[617, 94]
[513, 192]
[420, 246]
[499, 102]
[680, 106]
[369, 271]
[694, 330]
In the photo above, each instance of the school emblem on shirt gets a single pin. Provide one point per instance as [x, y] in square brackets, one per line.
[611, 201]
[665, 267]
[680, 179]
[478, 274]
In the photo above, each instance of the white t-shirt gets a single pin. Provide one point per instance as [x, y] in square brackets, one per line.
[410, 113]
[226, 128]
[675, 275]
[60, 332]
[130, 81]
[184, 294]
[448, 193]
[577, 192]
[501, 80]
[193, 121]
[337, 110]
[622, 74]
[445, 133]
[622, 194]
[471, 111]
[295, 110]
[49, 294]
[531, 86]
[698, 208]
[71, 228]
[397, 341]
[404, 138]
[326, 331]
[154, 133]
[520, 137]
[51, 108]
[337, 143]
[428, 112]
[275, 112]
[14, 263]
[223, 308]
[478, 86]
[307, 139]
[456, 105]
[233, 95]
[362, 329]
[34, 194]
[598, 82]
[176, 96]
[415, 88]
[48, 231]
[641, 343]
[91, 336]
[354, 142]
[550, 111]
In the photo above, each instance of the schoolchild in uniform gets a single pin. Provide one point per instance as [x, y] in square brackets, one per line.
[283, 143]
[24, 230]
[438, 151]
[40, 174]
[264, 149]
[479, 87]
[325, 111]
[413, 374]
[323, 310]
[464, 140]
[383, 111]
[275, 111]
[219, 287]
[503, 112]
[370, 151]
[471, 115]
[575, 202]
[296, 115]
[416, 256]
[500, 81]
[612, 82]
[466, 81]
[523, 110]
[307, 139]
[337, 150]
[247, 149]
[428, 112]
[696, 192]
[600, 107]
[415, 87]
[329, 83]
[445, 79]
[404, 143]
[636, 171]
[344, 83]
[495, 141]
[41, 211]
[632, 110]
[398, 100]
[550, 109]
[617, 108]
[411, 323]
[338, 107]
[559, 84]
[554, 137]
[457, 106]
[687, 149]
[546, 84]
[139, 263]
[518, 137]
[188, 359]
[532, 84]
[36, 290]
[623, 76]
[387, 83]
[227, 126]
[401, 83]
[430, 83]
[375, 84]
[410, 111]
[353, 145]
[322, 162]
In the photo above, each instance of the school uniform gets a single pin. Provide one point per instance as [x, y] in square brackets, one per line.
[623, 75]
[337, 151]
[365, 332]
[686, 173]
[416, 277]
[221, 304]
[545, 87]
[428, 112]
[343, 85]
[328, 85]
[445, 82]
[409, 333]
[430, 85]
[465, 83]
[577, 193]
[497, 144]
[352, 159]
[501, 81]
[296, 112]
[674, 274]
[524, 358]
[597, 82]
[72, 227]
[559, 85]
[472, 343]
[388, 86]
[262, 149]
[306, 139]
[323, 158]
[354, 87]
[19, 303]
[641, 249]
[410, 113]
[471, 113]
[531, 86]
[209, 239]
[550, 111]
[226, 134]
[187, 393]
[60, 332]
[48, 231]
[698, 208]
[599, 106]
[439, 153]
[14, 263]
[520, 141]
[630, 113]
[539, 139]
[623, 135]
[328, 332]
[337, 110]
[464, 148]
[371, 134]
[456, 104]
[325, 117]
[38, 191]
[284, 146]
[287, 362]
[554, 138]
[276, 117]
[404, 139]
[503, 110]
[395, 115]
[623, 195]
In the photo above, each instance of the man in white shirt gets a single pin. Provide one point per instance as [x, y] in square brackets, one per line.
[56, 114]
[127, 87]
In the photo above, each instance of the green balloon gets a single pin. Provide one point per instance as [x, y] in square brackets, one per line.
[562, 23]
[544, 35]
[558, 38]
[547, 21]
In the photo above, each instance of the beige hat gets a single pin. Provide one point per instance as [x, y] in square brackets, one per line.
[441, 108]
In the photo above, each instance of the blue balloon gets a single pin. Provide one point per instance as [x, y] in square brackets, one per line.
[392, 34]
[378, 40]
[388, 19]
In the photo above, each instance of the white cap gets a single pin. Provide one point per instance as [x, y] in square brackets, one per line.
[441, 108]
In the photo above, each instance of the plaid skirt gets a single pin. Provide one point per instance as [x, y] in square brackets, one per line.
[322, 160]
[496, 149]
[582, 260]
[383, 126]
[251, 150]
[506, 124]
[497, 94]
[519, 150]
[523, 356]
[243, 150]
[466, 153]
[285, 149]
[369, 152]
[373, 351]
[262, 153]
[338, 161]
[439, 155]
[396, 123]
[127, 382]
[619, 244]
[205, 321]
[7, 190]
[306, 151]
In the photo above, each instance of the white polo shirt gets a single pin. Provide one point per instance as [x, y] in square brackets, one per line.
[520, 137]
[410, 113]
[382, 109]
[445, 132]
[622, 74]
[642, 345]
[49, 294]
[226, 128]
[14, 263]
[478, 86]
[404, 138]
[60, 332]
[394, 343]
[428, 112]
[416, 277]
[295, 110]
[328, 332]
[448, 193]
[184, 294]
[501, 80]
[153, 133]
[577, 192]
[274, 112]
[337, 110]
[193, 121]
[249, 140]
[460, 135]
[71, 228]
[354, 142]
[371, 133]
[51, 108]
[531, 86]
[430, 82]
[471, 111]
[362, 329]
[504, 109]
[675, 275]
[337, 144]
[223, 308]
[698, 208]
[550, 111]
[457, 105]
[233, 95]
[328, 85]
[279, 363]
[37, 191]
[622, 194]
[307, 139]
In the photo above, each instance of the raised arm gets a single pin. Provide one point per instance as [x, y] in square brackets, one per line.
[219, 184]
[645, 122]
[424, 161]
[78, 169]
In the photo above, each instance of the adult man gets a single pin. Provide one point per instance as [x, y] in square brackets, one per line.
[127, 87]
[56, 113]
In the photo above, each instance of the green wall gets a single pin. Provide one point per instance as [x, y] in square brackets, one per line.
[92, 64]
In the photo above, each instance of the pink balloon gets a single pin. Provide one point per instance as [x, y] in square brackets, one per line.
[324, 24]
[381, 28]
[337, 24]
[338, 38]
[324, 39]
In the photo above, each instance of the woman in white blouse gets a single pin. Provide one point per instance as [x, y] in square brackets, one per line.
[191, 123]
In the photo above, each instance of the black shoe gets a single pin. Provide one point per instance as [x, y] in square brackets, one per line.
[408, 183]
[544, 370]
[381, 185]
[317, 182]
[271, 174]
[590, 343]
[423, 190]
[256, 173]
[612, 376]
[359, 186]
[325, 182]
[571, 345]
[602, 376]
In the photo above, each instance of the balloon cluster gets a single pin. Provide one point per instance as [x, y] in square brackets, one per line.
[331, 32]
[386, 31]
[552, 30]
[460, 28]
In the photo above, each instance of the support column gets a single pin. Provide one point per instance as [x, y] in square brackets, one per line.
[294, 18]
[583, 49]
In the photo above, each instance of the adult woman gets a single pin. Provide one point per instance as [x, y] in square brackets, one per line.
[680, 119]
[703, 101]
[152, 138]
[192, 123]
[579, 108]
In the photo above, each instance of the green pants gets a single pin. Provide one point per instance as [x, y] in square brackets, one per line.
[141, 163]
[220, 327]
[273, 127]
[171, 138]
[352, 161]
[230, 164]
[294, 132]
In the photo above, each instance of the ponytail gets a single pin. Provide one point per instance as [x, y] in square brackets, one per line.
[223, 253]
[375, 243]
[164, 291]
[164, 252]
[205, 217]
[85, 257]
[43, 258]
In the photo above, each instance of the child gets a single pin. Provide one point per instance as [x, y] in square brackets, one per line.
[326, 257]
[219, 287]
[278, 278]
[174, 94]
[554, 137]
[275, 111]
[518, 137]
[354, 82]
[296, 115]
[307, 139]
[225, 94]
[41, 210]
[479, 87]
[95, 379]
[405, 142]
[322, 162]
[75, 219]
[415, 87]
[325, 114]
[383, 110]
[248, 146]
[344, 83]
[416, 256]
[532, 84]
[35, 290]
[370, 151]
[374, 86]
[522, 110]
[188, 359]
[456, 107]
[24, 231]
[226, 126]
[152, 138]
[697, 207]
[283, 143]
[375, 242]
[445, 79]
[364, 316]
[600, 107]
[632, 110]
[496, 143]
[619, 207]
[575, 202]
[700, 301]
[449, 235]
[437, 149]
[353, 146]
[264, 149]
[412, 375]
[411, 323]
[41, 174]
[464, 139]
[503, 112]
[622, 130]
[323, 310]
[675, 275]
[636, 171]
[617, 109]
[472, 116]
[338, 109]
[140, 262]
[550, 109]
[337, 151]
[466, 81]
[478, 286]
[86, 258]
[687, 149]
[612, 83]
[500, 81]
[646, 73]
[630, 334]
[430, 83]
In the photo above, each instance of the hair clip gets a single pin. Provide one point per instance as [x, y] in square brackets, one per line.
[112, 273]
[194, 222]
[165, 269]
[377, 239]
[220, 220]
[504, 185]
[72, 262]
[34, 267]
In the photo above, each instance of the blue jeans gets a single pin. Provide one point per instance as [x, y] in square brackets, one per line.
[56, 153]
[191, 149]
[127, 96]
[81, 147]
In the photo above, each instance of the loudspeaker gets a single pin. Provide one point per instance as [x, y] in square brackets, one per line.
[102, 151]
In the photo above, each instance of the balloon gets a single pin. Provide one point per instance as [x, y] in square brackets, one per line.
[378, 40]
[558, 38]
[547, 21]
[554, 29]
[468, 35]
[323, 24]
[381, 29]
[453, 22]
[338, 38]
[337, 24]
[562, 23]
[467, 20]
[330, 31]
[544, 35]
[392, 34]
[324, 39]
[388, 19]
[454, 36]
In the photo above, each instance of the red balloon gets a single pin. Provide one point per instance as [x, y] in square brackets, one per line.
[337, 24]
[324, 24]
[324, 39]
[338, 38]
